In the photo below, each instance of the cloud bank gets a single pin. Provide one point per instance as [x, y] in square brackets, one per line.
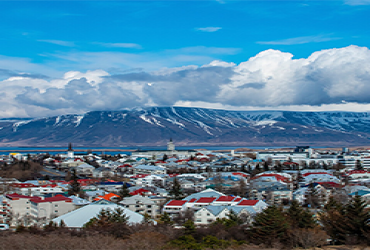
[327, 79]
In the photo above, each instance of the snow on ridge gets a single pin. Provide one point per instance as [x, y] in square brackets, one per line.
[17, 124]
[204, 127]
[57, 120]
[78, 120]
[264, 122]
[144, 118]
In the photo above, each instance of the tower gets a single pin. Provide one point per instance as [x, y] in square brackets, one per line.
[170, 146]
[70, 152]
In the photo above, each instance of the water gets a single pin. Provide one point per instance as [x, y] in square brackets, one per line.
[109, 150]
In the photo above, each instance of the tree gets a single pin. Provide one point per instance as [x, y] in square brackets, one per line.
[124, 192]
[189, 227]
[332, 218]
[357, 220]
[299, 217]
[110, 222]
[176, 191]
[312, 196]
[166, 219]
[218, 182]
[358, 165]
[270, 226]
[165, 157]
[266, 166]
[74, 186]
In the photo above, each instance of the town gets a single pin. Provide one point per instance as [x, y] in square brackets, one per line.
[175, 186]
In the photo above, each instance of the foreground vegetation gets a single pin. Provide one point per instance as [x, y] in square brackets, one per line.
[273, 228]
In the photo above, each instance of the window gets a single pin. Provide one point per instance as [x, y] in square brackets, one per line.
[56, 211]
[56, 205]
[149, 206]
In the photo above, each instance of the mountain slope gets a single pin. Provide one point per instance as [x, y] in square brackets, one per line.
[190, 126]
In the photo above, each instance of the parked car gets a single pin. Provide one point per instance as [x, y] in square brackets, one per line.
[4, 227]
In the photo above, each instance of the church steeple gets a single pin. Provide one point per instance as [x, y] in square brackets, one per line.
[170, 145]
[70, 153]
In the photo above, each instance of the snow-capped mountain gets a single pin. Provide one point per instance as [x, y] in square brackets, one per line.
[190, 126]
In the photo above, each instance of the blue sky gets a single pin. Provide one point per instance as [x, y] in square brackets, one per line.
[48, 46]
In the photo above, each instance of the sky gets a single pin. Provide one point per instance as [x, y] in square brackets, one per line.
[71, 57]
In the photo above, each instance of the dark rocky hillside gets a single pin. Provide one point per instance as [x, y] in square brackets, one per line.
[190, 126]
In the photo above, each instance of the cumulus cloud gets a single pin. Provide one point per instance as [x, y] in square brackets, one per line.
[327, 80]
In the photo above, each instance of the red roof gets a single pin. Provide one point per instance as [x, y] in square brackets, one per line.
[277, 176]
[139, 176]
[330, 184]
[192, 200]
[16, 196]
[23, 185]
[240, 174]
[206, 200]
[307, 174]
[238, 199]
[248, 202]
[139, 191]
[176, 203]
[225, 198]
[357, 172]
[58, 197]
[290, 163]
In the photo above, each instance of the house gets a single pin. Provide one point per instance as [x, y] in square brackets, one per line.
[85, 169]
[19, 208]
[79, 217]
[45, 209]
[175, 207]
[257, 205]
[142, 205]
[149, 169]
[210, 214]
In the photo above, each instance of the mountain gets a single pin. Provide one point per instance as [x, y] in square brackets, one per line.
[190, 126]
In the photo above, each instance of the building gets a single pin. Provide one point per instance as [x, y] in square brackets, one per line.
[79, 217]
[149, 169]
[70, 152]
[141, 204]
[45, 209]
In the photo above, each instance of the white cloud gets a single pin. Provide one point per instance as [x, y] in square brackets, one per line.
[121, 45]
[59, 42]
[209, 29]
[301, 40]
[333, 79]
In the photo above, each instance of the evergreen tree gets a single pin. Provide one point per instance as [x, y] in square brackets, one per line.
[270, 226]
[358, 165]
[166, 219]
[74, 186]
[357, 220]
[312, 196]
[176, 191]
[266, 166]
[333, 220]
[299, 217]
[189, 227]
[124, 192]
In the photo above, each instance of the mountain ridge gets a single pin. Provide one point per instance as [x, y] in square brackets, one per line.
[153, 126]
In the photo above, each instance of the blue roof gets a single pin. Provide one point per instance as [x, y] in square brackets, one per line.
[360, 193]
